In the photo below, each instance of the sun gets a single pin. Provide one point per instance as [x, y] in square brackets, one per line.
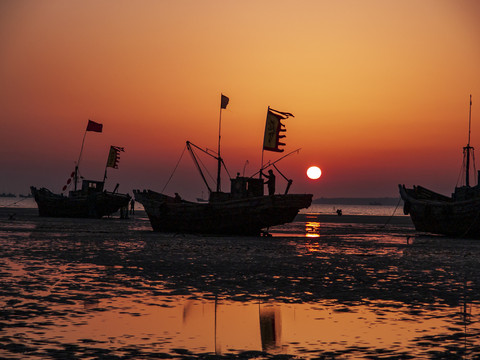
[314, 172]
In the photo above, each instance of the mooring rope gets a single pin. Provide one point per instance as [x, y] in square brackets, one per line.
[14, 203]
[394, 211]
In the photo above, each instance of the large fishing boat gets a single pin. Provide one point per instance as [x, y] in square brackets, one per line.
[457, 215]
[245, 210]
[92, 200]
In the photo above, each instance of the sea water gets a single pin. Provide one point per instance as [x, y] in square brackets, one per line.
[374, 210]
[90, 288]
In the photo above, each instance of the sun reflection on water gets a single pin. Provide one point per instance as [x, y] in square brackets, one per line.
[312, 229]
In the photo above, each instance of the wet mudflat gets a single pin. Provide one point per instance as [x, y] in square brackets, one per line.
[112, 289]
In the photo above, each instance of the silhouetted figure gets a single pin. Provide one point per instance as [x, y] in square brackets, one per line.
[132, 206]
[177, 198]
[270, 182]
[339, 212]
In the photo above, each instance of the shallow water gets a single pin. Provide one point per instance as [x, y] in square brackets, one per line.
[111, 288]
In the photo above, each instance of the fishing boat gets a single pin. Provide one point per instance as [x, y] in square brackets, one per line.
[91, 200]
[245, 210]
[457, 215]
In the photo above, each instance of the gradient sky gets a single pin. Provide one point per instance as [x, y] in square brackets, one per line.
[379, 89]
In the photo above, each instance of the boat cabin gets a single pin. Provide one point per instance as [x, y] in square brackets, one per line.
[243, 187]
[92, 186]
[467, 192]
[240, 188]
[88, 187]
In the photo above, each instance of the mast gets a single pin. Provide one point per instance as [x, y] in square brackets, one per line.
[91, 126]
[223, 105]
[219, 162]
[466, 149]
[79, 157]
[263, 149]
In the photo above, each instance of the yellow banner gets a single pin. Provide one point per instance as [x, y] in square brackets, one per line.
[112, 158]
[271, 132]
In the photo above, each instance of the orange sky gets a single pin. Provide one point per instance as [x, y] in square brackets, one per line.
[379, 90]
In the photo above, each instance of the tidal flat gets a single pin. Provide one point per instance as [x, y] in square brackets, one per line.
[319, 288]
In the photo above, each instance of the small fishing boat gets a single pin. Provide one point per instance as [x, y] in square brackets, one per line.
[245, 210]
[92, 200]
[457, 215]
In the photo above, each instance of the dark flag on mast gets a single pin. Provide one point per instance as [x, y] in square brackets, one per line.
[224, 102]
[93, 126]
[114, 156]
[274, 129]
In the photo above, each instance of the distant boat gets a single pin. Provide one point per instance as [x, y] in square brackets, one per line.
[91, 201]
[245, 210]
[458, 215]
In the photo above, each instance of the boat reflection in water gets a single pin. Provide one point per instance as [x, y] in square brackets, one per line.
[231, 326]
[171, 324]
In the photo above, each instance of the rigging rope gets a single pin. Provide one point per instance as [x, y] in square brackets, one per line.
[474, 167]
[176, 166]
[460, 178]
[204, 167]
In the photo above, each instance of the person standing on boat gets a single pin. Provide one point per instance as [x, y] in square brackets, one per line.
[177, 198]
[270, 182]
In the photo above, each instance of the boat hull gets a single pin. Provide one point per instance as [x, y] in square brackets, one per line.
[247, 216]
[93, 205]
[442, 215]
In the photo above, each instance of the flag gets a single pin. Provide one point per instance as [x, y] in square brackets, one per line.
[114, 156]
[93, 126]
[224, 102]
[273, 130]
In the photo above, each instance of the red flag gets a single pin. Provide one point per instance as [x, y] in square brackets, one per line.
[224, 102]
[93, 126]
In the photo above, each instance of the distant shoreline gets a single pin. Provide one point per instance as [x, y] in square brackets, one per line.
[357, 201]
[356, 219]
[17, 214]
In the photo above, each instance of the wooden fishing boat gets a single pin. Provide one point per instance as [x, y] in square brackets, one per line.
[89, 202]
[92, 200]
[241, 216]
[245, 210]
[457, 215]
